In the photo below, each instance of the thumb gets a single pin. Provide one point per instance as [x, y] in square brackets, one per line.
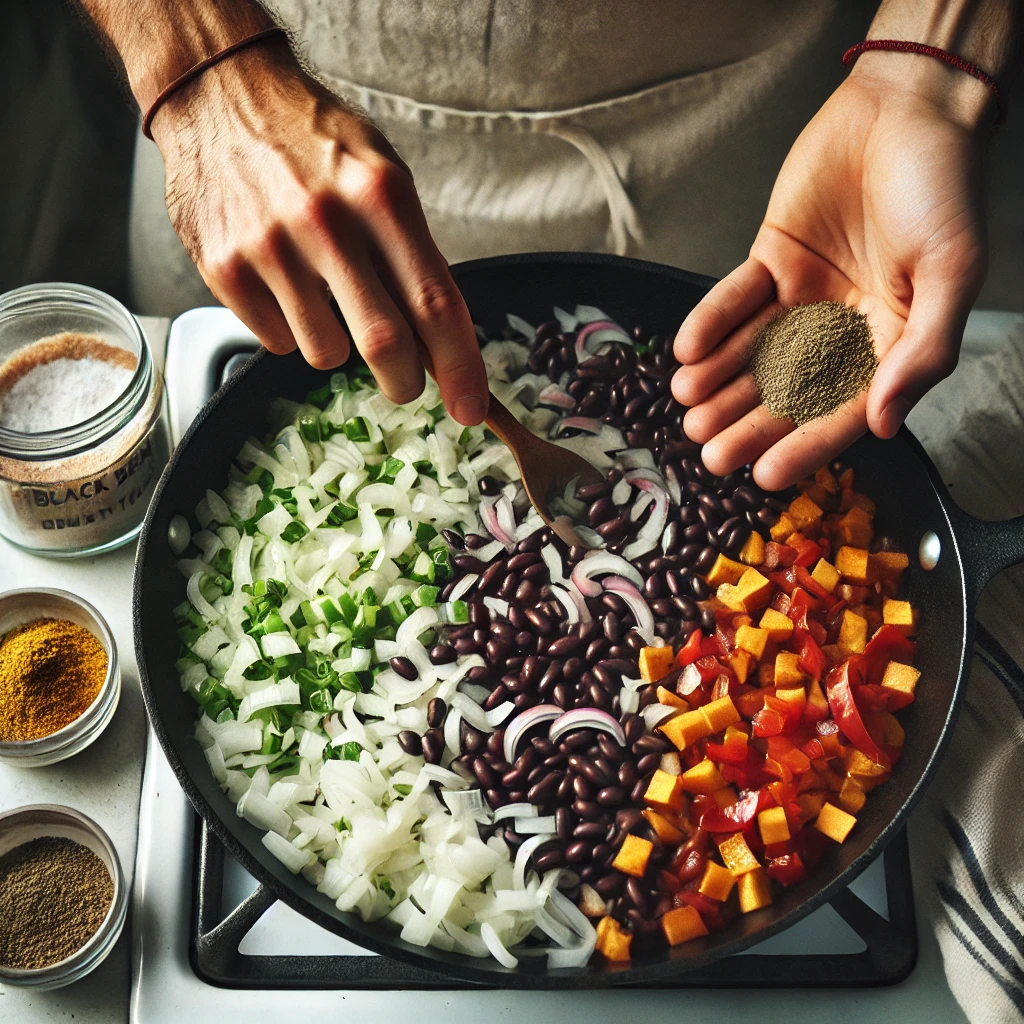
[925, 353]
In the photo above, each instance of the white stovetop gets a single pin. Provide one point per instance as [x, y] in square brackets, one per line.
[104, 782]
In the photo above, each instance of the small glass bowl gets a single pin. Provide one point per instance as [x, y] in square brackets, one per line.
[24, 824]
[20, 606]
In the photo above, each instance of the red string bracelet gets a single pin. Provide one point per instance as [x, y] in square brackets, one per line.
[933, 51]
[196, 70]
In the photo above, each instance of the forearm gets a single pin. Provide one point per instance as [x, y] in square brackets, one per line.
[157, 40]
[984, 32]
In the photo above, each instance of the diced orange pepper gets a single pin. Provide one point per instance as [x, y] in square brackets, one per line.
[684, 730]
[736, 854]
[816, 709]
[665, 791]
[719, 714]
[725, 570]
[899, 614]
[810, 805]
[853, 632]
[787, 669]
[855, 529]
[825, 478]
[665, 830]
[901, 680]
[742, 663]
[795, 697]
[804, 512]
[656, 663]
[783, 528]
[779, 626]
[672, 699]
[860, 767]
[682, 924]
[755, 588]
[853, 564]
[773, 825]
[888, 564]
[633, 856]
[846, 479]
[703, 777]
[717, 882]
[752, 639]
[612, 941]
[752, 552]
[851, 796]
[826, 574]
[754, 889]
[834, 822]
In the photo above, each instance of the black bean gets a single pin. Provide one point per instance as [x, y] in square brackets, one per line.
[410, 742]
[536, 574]
[687, 607]
[578, 852]
[633, 726]
[587, 809]
[468, 563]
[442, 654]
[436, 711]
[540, 622]
[610, 749]
[467, 646]
[495, 797]
[563, 823]
[648, 763]
[611, 796]
[613, 527]
[527, 760]
[651, 744]
[485, 774]
[507, 590]
[541, 792]
[627, 774]
[453, 539]
[404, 667]
[565, 788]
[628, 818]
[595, 649]
[526, 641]
[433, 746]
[565, 646]
[492, 578]
[593, 831]
[610, 885]
[549, 860]
[472, 740]
[561, 695]
[700, 588]
[707, 621]
[662, 607]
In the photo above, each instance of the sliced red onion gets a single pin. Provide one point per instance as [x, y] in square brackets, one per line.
[535, 825]
[637, 605]
[472, 712]
[522, 723]
[586, 718]
[523, 856]
[597, 333]
[654, 714]
[602, 562]
[463, 586]
[585, 423]
[634, 476]
[675, 489]
[553, 560]
[572, 613]
[529, 526]
[333, 726]
[588, 314]
[629, 700]
[644, 498]
[637, 458]
[566, 321]
[573, 956]
[553, 395]
[435, 773]
[489, 551]
[506, 521]
[497, 605]
[590, 537]
[688, 681]
[516, 811]
[465, 803]
[621, 492]
[581, 603]
[517, 323]
[498, 715]
[640, 546]
[650, 533]
[489, 515]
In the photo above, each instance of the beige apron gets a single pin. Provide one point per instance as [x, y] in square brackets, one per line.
[651, 128]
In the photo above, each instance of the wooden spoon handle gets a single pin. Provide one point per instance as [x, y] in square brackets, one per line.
[508, 429]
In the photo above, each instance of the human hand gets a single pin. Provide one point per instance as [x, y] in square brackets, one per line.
[283, 196]
[878, 205]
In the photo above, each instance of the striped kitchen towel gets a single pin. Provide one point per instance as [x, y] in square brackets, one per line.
[969, 843]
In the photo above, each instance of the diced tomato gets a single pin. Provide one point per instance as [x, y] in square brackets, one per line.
[779, 770]
[710, 910]
[783, 750]
[812, 660]
[807, 553]
[813, 749]
[785, 579]
[787, 869]
[802, 597]
[839, 690]
[808, 582]
[749, 775]
[710, 647]
[732, 751]
[736, 817]
[691, 650]
[709, 668]
[773, 718]
[888, 644]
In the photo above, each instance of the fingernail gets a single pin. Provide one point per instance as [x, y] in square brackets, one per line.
[894, 415]
[469, 411]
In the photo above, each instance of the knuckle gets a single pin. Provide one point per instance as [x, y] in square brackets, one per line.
[383, 342]
[435, 299]
[315, 212]
[268, 246]
[225, 270]
[376, 185]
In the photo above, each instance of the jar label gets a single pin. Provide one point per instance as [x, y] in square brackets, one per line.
[89, 511]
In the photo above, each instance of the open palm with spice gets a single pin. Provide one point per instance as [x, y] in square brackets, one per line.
[878, 206]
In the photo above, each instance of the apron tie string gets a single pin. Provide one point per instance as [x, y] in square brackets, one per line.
[624, 221]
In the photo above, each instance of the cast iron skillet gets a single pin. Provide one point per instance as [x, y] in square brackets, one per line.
[898, 474]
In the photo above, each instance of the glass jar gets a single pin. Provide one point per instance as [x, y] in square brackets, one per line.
[83, 488]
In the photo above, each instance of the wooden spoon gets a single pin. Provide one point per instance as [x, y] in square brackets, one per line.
[546, 468]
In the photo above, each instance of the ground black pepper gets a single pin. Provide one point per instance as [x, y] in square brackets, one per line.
[54, 895]
[809, 360]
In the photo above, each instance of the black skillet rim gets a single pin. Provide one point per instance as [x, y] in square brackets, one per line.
[463, 967]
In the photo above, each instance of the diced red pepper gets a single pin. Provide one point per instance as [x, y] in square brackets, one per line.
[778, 556]
[769, 721]
[710, 910]
[736, 817]
[808, 582]
[812, 659]
[787, 869]
[709, 668]
[813, 749]
[888, 644]
[732, 751]
[839, 690]
[872, 697]
[710, 647]
[780, 602]
[783, 750]
[785, 579]
[802, 597]
[691, 650]
[807, 553]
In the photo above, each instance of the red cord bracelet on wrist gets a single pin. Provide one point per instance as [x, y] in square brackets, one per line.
[951, 59]
[196, 70]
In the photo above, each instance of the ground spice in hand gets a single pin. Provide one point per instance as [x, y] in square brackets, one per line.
[809, 360]
[51, 670]
[54, 894]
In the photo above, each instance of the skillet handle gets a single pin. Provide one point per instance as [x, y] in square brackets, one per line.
[986, 548]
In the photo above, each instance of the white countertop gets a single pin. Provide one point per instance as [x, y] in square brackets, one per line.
[104, 782]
